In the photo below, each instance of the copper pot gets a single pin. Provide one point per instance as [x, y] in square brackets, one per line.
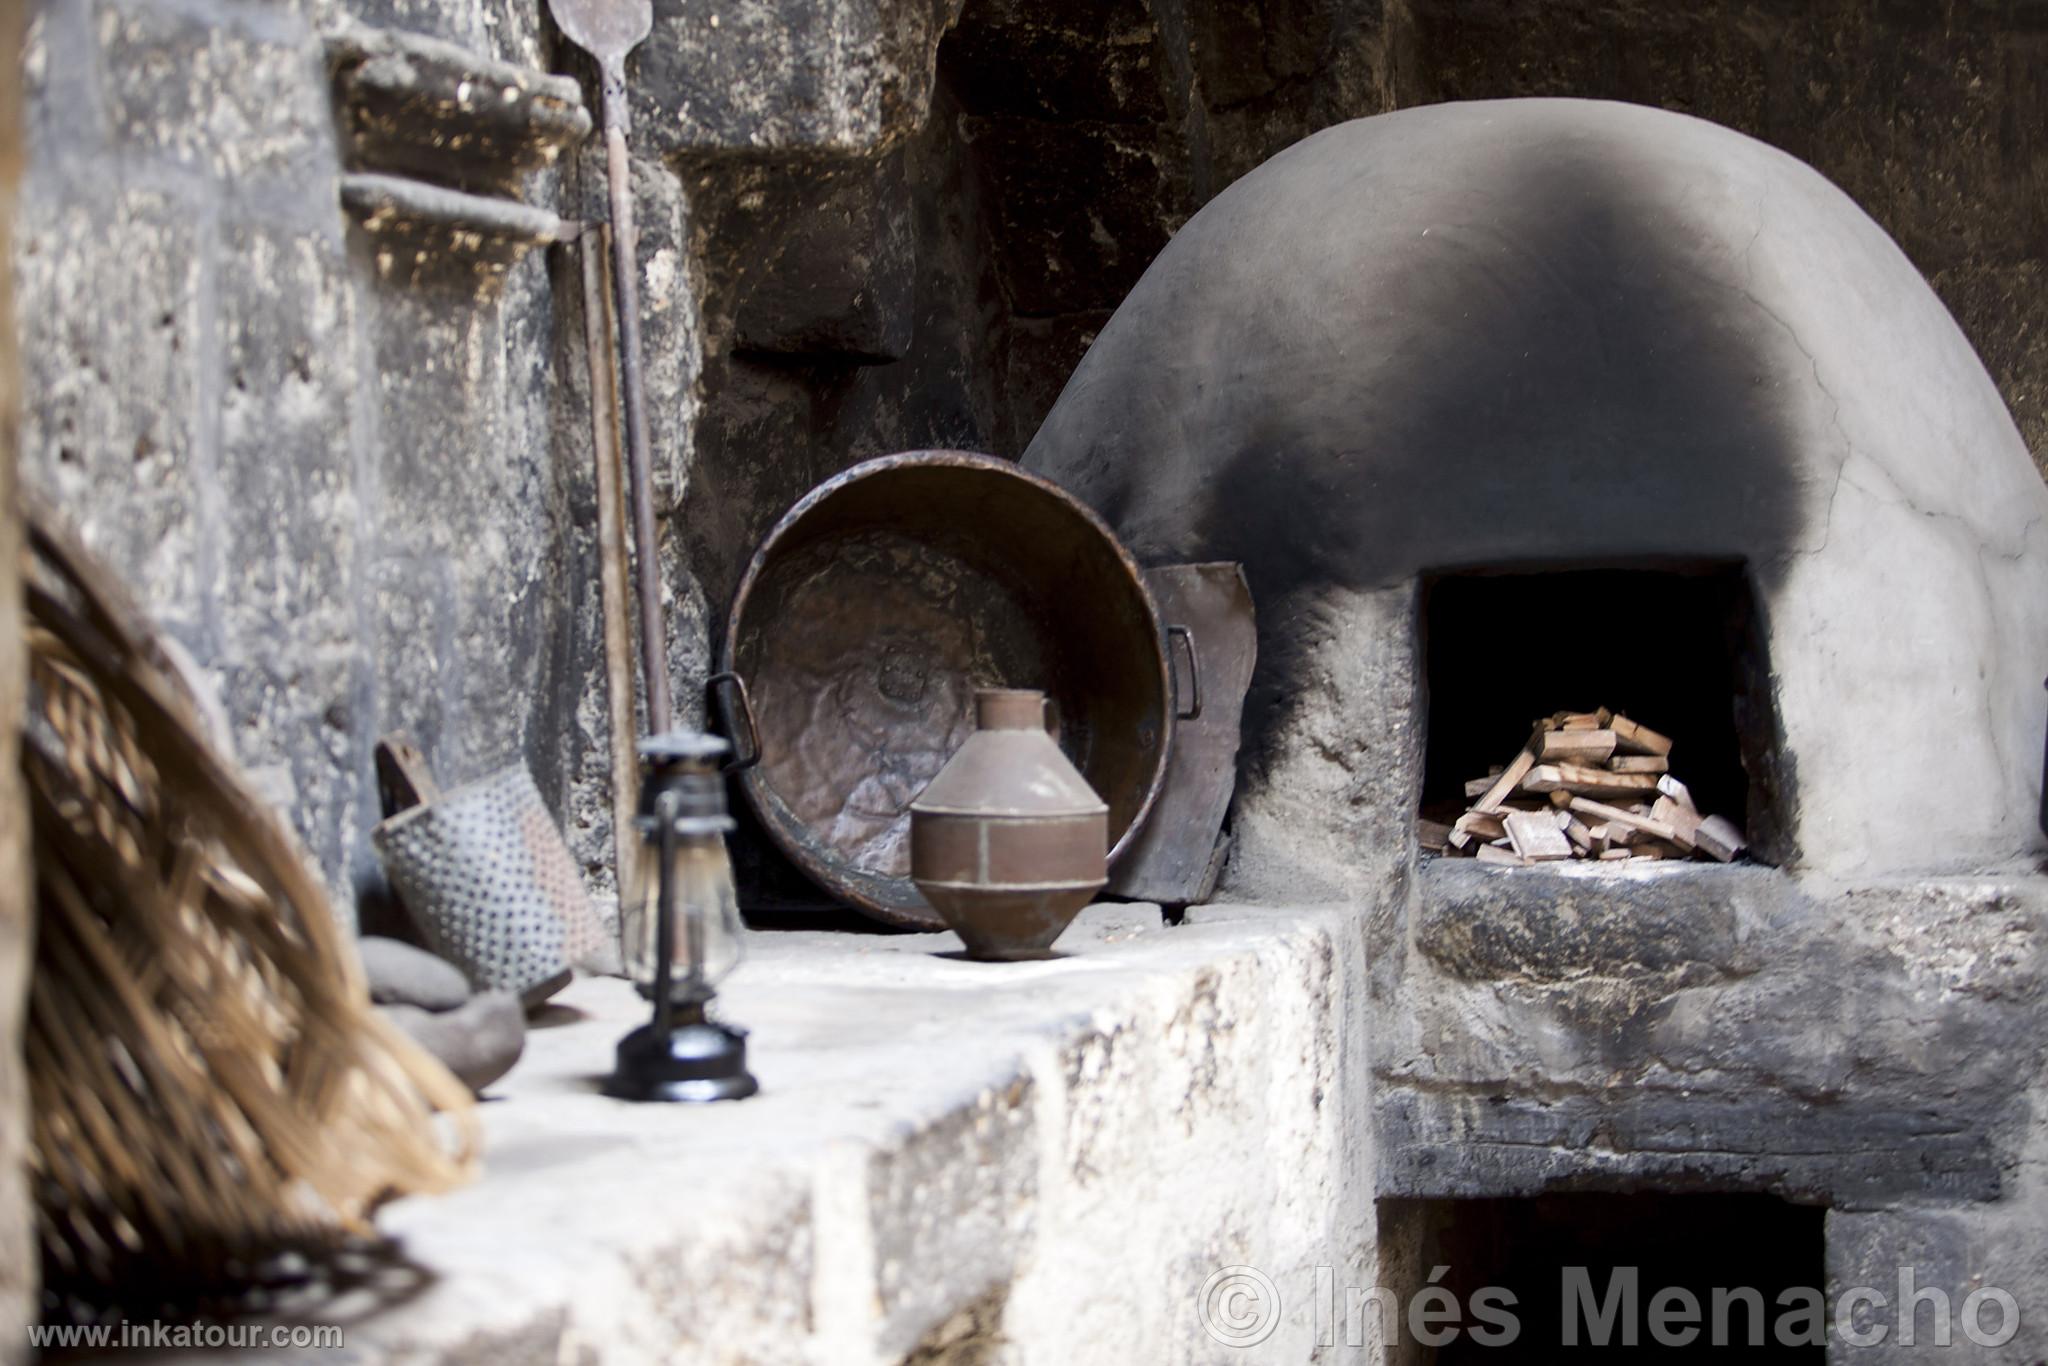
[1009, 842]
[875, 609]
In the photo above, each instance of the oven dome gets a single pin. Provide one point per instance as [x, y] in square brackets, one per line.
[1559, 332]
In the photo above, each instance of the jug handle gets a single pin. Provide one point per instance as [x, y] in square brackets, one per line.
[752, 755]
[1187, 640]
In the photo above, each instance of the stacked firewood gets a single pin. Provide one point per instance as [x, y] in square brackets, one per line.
[1588, 785]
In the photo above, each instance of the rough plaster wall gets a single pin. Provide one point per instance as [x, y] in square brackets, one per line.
[340, 491]
[17, 1244]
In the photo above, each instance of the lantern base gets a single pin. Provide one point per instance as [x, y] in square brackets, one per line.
[697, 1060]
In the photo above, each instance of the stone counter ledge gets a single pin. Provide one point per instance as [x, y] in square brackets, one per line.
[945, 1156]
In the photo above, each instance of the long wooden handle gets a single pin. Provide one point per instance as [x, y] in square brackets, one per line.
[613, 562]
[639, 461]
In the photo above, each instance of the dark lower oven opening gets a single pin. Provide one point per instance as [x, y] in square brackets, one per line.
[1678, 648]
[1754, 1266]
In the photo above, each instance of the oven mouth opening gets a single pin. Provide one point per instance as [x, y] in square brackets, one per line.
[1677, 648]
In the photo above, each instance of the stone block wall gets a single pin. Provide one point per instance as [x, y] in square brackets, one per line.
[359, 499]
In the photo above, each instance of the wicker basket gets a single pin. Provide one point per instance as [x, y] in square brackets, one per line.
[209, 1084]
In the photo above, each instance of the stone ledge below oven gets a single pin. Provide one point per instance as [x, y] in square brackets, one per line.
[1854, 1044]
[944, 1155]
[1691, 922]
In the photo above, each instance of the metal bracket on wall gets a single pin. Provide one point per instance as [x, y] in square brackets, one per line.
[413, 223]
[438, 140]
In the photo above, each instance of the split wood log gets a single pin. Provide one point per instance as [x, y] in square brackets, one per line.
[1675, 790]
[1578, 746]
[1613, 772]
[1509, 779]
[1588, 782]
[1580, 835]
[1535, 837]
[1718, 838]
[1680, 816]
[1485, 824]
[1635, 739]
[1614, 816]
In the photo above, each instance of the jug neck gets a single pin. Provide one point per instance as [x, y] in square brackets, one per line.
[1009, 709]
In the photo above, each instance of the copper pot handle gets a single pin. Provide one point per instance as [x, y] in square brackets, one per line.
[1187, 639]
[753, 751]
